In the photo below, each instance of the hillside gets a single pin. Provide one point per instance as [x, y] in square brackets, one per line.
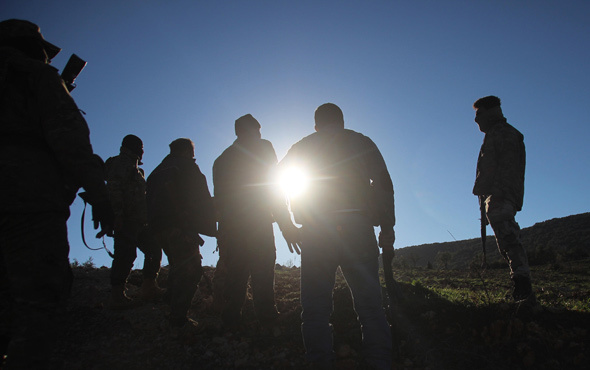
[551, 241]
[442, 319]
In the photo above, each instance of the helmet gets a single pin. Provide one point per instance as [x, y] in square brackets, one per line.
[14, 30]
[134, 144]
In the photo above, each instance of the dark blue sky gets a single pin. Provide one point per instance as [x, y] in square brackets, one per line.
[405, 73]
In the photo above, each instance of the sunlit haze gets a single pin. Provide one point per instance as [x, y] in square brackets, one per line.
[293, 182]
[405, 73]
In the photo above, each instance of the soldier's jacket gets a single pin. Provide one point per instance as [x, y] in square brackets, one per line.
[45, 150]
[177, 196]
[347, 173]
[501, 165]
[126, 185]
[243, 185]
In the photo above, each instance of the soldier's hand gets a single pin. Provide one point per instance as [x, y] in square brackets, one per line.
[103, 217]
[386, 239]
[293, 238]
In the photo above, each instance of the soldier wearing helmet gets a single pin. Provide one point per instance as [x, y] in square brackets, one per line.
[127, 186]
[45, 157]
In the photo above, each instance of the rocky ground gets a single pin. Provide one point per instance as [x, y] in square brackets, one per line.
[430, 332]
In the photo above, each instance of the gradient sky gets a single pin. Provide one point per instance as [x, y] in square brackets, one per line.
[405, 73]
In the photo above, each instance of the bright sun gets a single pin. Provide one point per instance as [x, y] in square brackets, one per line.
[293, 181]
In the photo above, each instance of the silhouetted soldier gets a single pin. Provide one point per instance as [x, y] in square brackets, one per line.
[126, 185]
[180, 208]
[350, 191]
[499, 184]
[247, 205]
[45, 156]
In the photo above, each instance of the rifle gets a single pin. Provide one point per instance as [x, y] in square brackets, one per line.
[390, 283]
[85, 197]
[393, 294]
[72, 69]
[484, 223]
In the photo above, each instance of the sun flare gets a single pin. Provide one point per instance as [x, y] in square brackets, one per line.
[293, 181]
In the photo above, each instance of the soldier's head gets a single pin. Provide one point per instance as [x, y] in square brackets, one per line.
[487, 112]
[183, 147]
[26, 37]
[328, 115]
[247, 127]
[134, 144]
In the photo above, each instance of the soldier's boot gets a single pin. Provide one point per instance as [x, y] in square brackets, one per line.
[527, 305]
[523, 289]
[118, 299]
[150, 291]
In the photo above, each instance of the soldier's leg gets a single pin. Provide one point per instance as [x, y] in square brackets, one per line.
[125, 254]
[237, 261]
[263, 277]
[501, 217]
[152, 254]
[5, 300]
[185, 274]
[35, 252]
[360, 267]
[152, 251]
[219, 281]
[318, 273]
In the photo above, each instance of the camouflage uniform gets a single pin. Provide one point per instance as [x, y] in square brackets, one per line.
[126, 185]
[179, 208]
[500, 182]
[247, 207]
[45, 156]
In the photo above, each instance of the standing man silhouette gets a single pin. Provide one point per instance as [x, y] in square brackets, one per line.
[499, 184]
[350, 191]
[247, 205]
[45, 157]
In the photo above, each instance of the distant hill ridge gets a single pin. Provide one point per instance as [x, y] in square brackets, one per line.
[551, 241]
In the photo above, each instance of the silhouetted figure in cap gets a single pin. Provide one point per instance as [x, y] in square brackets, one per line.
[126, 185]
[349, 191]
[45, 157]
[499, 184]
[180, 208]
[247, 205]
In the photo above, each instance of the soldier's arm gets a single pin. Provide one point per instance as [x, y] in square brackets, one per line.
[487, 165]
[67, 134]
[115, 177]
[510, 163]
[382, 185]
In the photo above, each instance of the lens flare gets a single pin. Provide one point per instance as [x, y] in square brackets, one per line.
[294, 181]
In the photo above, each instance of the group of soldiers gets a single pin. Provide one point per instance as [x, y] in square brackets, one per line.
[46, 157]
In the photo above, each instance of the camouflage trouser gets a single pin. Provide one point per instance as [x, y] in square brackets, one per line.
[127, 240]
[185, 269]
[500, 214]
[35, 281]
[125, 252]
[152, 254]
[247, 254]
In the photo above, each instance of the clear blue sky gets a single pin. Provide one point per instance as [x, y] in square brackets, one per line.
[405, 73]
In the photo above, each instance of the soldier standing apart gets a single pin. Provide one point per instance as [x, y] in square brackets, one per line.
[499, 184]
[247, 206]
[180, 208]
[126, 186]
[45, 156]
[350, 191]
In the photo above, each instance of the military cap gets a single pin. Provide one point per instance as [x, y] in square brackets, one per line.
[15, 29]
